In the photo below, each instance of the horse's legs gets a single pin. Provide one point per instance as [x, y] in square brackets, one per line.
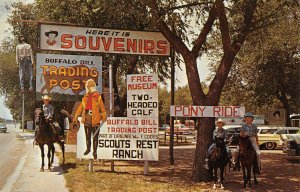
[49, 156]
[249, 176]
[244, 176]
[42, 155]
[216, 177]
[254, 175]
[53, 151]
[222, 176]
[62, 146]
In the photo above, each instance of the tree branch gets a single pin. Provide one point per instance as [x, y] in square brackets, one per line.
[224, 27]
[186, 5]
[246, 29]
[164, 29]
[204, 32]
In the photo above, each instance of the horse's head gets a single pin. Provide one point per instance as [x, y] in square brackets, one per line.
[244, 143]
[38, 116]
[220, 142]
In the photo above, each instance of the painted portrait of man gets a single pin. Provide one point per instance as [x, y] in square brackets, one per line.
[52, 34]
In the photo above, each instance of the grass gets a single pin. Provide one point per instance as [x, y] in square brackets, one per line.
[128, 175]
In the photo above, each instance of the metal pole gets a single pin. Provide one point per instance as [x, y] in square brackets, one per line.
[23, 111]
[171, 147]
[111, 103]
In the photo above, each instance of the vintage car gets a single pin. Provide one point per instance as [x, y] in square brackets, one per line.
[3, 127]
[271, 137]
[181, 129]
[293, 147]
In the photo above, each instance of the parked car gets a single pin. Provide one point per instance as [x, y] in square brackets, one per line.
[181, 129]
[272, 137]
[3, 127]
[164, 127]
[293, 147]
[232, 133]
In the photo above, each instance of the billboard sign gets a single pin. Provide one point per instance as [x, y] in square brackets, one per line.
[89, 39]
[67, 74]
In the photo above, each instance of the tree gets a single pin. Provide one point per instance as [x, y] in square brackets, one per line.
[267, 70]
[241, 16]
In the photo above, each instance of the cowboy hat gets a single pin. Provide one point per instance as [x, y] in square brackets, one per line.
[51, 31]
[249, 114]
[220, 121]
[45, 97]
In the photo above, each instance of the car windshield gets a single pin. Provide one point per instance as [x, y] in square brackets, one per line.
[268, 131]
[2, 125]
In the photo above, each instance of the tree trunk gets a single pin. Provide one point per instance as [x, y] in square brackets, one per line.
[204, 139]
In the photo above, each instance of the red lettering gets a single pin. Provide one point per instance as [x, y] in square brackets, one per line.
[217, 110]
[81, 45]
[162, 47]
[149, 46]
[119, 44]
[106, 43]
[131, 45]
[66, 40]
[94, 47]
[177, 109]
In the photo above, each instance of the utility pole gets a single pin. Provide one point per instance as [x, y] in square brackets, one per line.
[171, 146]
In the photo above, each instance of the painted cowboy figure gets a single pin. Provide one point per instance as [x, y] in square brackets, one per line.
[92, 110]
[24, 58]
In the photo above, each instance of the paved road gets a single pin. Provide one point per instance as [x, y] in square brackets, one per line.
[20, 164]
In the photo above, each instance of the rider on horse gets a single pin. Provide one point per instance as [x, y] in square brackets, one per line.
[250, 129]
[219, 132]
[48, 110]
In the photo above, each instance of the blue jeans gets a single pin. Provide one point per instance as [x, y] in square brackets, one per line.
[25, 68]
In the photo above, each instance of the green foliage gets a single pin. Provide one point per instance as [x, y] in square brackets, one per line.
[267, 69]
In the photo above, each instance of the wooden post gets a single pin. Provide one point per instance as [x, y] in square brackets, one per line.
[146, 167]
[23, 111]
[91, 165]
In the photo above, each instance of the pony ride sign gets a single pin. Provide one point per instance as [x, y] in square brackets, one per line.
[207, 111]
[88, 39]
[67, 74]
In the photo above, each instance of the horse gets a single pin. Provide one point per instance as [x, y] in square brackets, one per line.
[46, 136]
[248, 159]
[218, 160]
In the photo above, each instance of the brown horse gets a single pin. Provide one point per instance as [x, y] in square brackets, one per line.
[218, 160]
[248, 159]
[46, 135]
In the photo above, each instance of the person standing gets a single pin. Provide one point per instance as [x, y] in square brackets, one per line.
[92, 110]
[24, 58]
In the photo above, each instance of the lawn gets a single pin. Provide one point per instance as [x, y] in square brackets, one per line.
[128, 175]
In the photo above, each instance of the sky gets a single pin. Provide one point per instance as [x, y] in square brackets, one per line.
[181, 78]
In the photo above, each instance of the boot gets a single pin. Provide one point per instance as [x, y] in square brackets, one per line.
[256, 166]
[206, 166]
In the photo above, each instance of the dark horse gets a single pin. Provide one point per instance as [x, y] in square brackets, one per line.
[46, 135]
[218, 160]
[248, 159]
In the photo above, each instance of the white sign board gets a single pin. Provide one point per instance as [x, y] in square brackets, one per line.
[88, 39]
[67, 74]
[142, 95]
[207, 111]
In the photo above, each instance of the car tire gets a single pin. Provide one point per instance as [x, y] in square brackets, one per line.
[270, 145]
